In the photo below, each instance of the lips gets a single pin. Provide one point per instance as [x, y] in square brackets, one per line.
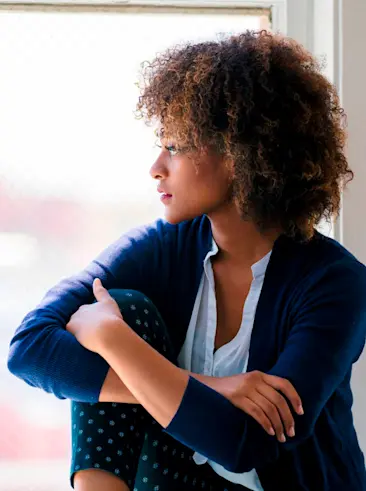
[164, 193]
[164, 196]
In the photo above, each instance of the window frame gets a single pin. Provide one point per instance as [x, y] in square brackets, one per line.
[291, 17]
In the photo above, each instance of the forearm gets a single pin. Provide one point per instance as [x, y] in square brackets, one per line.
[153, 380]
[114, 390]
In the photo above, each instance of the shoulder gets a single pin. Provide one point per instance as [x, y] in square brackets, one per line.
[330, 260]
[333, 285]
[322, 276]
[160, 241]
[160, 230]
[321, 256]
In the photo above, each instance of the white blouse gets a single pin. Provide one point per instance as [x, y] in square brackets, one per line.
[197, 354]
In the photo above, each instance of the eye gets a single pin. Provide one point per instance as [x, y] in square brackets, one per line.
[172, 150]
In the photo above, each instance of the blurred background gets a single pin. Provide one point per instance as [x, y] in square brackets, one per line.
[74, 163]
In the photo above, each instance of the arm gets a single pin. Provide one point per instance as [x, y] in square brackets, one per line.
[114, 390]
[327, 337]
[255, 393]
[44, 354]
[148, 378]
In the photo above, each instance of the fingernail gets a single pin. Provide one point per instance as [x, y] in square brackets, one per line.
[272, 432]
[291, 431]
[282, 438]
[301, 410]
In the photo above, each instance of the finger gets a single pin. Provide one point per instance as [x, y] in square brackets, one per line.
[68, 328]
[286, 388]
[100, 293]
[256, 413]
[271, 412]
[282, 406]
[82, 308]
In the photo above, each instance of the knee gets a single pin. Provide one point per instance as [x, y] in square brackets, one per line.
[144, 318]
[135, 305]
[130, 297]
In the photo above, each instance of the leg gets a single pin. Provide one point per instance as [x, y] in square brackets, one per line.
[106, 437]
[109, 436]
[95, 480]
[119, 447]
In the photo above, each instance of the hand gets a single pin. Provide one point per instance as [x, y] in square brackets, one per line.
[89, 323]
[258, 394]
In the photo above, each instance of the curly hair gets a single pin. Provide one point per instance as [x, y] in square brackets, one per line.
[261, 101]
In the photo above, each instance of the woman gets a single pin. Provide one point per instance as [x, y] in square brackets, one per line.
[214, 350]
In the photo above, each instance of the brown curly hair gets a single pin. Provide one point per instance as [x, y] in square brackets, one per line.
[261, 101]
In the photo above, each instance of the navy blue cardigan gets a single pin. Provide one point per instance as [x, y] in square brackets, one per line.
[309, 328]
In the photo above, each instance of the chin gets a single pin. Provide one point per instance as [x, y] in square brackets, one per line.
[174, 217]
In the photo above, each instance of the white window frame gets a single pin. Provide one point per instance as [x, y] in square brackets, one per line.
[291, 17]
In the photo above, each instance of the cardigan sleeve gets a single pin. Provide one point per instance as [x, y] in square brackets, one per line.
[327, 336]
[44, 354]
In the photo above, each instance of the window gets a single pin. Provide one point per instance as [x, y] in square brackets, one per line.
[73, 177]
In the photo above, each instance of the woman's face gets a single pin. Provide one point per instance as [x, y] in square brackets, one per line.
[190, 184]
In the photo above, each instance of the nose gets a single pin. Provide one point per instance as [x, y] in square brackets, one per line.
[159, 169]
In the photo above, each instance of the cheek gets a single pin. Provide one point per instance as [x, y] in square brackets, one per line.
[196, 197]
[206, 183]
[215, 186]
[206, 193]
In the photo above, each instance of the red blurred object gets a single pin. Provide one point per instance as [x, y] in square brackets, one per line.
[21, 440]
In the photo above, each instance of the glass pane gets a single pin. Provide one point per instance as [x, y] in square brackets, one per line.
[73, 177]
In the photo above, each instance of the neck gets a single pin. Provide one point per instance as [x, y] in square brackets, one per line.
[240, 242]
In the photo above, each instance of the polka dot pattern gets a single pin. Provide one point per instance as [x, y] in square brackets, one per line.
[124, 440]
